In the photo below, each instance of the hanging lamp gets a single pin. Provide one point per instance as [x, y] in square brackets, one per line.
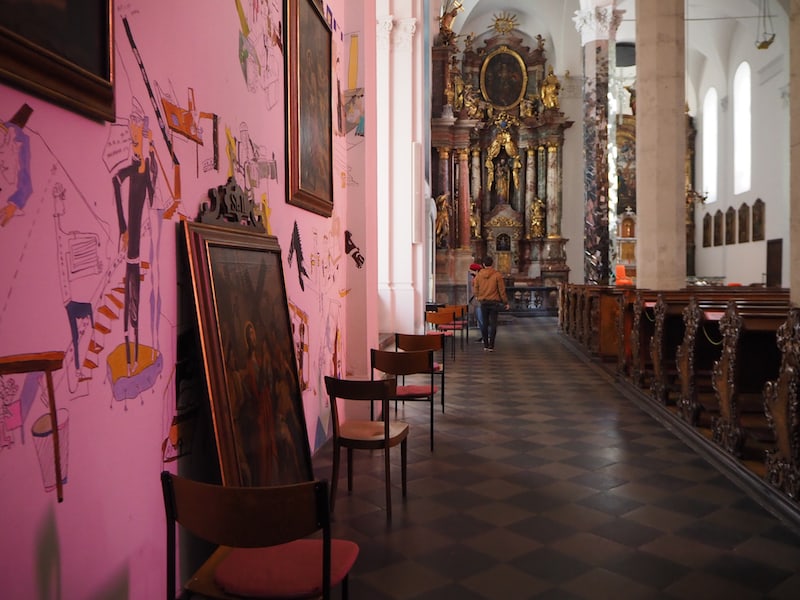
[765, 34]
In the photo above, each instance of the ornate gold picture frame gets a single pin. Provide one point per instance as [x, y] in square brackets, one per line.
[43, 52]
[504, 78]
[309, 135]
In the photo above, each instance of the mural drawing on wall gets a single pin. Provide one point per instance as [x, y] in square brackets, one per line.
[260, 47]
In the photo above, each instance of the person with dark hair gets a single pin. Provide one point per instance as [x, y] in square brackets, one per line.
[490, 290]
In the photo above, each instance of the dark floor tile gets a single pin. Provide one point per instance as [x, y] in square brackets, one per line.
[628, 533]
[747, 572]
[541, 529]
[649, 569]
[712, 534]
[551, 565]
[455, 561]
[610, 503]
[694, 507]
[449, 592]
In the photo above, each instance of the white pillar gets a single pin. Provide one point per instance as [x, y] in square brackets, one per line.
[660, 145]
[401, 278]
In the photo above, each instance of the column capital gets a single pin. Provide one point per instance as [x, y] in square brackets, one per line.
[405, 32]
[383, 30]
[598, 23]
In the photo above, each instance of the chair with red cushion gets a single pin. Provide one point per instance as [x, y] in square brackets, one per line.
[439, 321]
[400, 364]
[362, 434]
[416, 342]
[262, 535]
[460, 323]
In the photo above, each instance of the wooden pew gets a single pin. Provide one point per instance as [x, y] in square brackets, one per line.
[644, 317]
[668, 331]
[695, 357]
[750, 358]
[782, 408]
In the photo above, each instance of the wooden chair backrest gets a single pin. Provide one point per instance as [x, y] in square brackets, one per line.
[415, 342]
[245, 517]
[440, 317]
[379, 390]
[401, 363]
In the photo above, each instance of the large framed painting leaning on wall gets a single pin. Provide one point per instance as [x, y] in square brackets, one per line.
[248, 354]
[309, 108]
[62, 51]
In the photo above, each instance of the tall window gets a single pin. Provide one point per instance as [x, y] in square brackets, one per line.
[710, 127]
[741, 129]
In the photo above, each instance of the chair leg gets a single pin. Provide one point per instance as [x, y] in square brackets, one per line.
[442, 393]
[349, 469]
[388, 480]
[403, 461]
[431, 405]
[335, 475]
[346, 587]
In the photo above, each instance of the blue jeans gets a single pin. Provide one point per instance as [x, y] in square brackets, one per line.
[479, 316]
[490, 311]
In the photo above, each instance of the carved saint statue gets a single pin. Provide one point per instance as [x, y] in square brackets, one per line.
[450, 10]
[501, 180]
[472, 106]
[550, 88]
[507, 167]
[527, 106]
[474, 222]
[442, 220]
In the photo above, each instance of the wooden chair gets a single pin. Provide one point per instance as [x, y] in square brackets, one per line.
[399, 364]
[459, 324]
[409, 342]
[437, 320]
[262, 533]
[356, 434]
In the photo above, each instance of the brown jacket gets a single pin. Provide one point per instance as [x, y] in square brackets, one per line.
[489, 286]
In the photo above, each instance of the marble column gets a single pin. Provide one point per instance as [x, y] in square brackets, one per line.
[553, 191]
[530, 188]
[597, 26]
[660, 145]
[444, 170]
[463, 198]
[444, 182]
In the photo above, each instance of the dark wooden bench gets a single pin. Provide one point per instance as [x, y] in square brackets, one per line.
[782, 409]
[642, 314]
[750, 358]
[702, 341]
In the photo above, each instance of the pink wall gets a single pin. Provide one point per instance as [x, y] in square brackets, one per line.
[63, 249]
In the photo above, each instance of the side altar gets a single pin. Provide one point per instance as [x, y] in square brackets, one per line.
[497, 136]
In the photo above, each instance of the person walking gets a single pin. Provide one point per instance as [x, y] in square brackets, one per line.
[473, 301]
[490, 290]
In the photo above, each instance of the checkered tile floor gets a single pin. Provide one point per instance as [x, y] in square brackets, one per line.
[548, 483]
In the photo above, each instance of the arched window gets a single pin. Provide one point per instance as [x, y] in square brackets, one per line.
[710, 148]
[741, 129]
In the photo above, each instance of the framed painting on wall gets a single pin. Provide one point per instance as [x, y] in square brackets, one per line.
[309, 135]
[504, 78]
[61, 51]
[248, 355]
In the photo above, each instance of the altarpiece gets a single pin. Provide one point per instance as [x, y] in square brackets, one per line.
[497, 145]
